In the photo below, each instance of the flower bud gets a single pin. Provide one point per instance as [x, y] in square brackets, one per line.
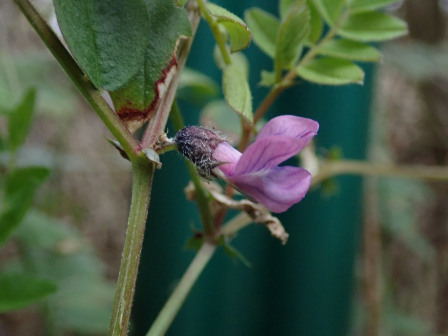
[198, 144]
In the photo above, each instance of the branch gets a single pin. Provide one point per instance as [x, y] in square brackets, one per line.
[177, 298]
[352, 167]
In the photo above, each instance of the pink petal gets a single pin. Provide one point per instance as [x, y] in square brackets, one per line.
[226, 153]
[277, 189]
[290, 126]
[269, 152]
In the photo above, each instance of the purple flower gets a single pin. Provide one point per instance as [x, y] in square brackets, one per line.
[256, 172]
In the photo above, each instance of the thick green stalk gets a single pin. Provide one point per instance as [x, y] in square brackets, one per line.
[143, 172]
[177, 298]
[90, 93]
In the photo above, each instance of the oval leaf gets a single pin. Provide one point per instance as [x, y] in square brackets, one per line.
[236, 87]
[218, 115]
[350, 50]
[20, 290]
[136, 101]
[316, 24]
[329, 9]
[372, 26]
[107, 38]
[359, 6]
[267, 78]
[264, 27]
[331, 71]
[294, 29]
[20, 120]
[283, 7]
[20, 187]
[238, 31]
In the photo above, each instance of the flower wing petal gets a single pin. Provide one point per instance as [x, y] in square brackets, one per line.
[277, 189]
[289, 126]
[268, 152]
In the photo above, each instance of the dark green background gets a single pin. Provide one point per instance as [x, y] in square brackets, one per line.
[303, 288]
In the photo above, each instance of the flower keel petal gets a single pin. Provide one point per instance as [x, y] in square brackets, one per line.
[277, 189]
[226, 153]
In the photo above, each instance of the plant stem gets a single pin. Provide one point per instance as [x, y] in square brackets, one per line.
[143, 172]
[177, 298]
[90, 93]
[237, 223]
[214, 26]
[202, 197]
[352, 167]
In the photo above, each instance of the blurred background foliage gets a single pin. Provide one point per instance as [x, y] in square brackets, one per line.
[72, 236]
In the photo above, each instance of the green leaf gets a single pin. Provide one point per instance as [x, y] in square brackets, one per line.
[267, 78]
[20, 120]
[136, 101]
[236, 87]
[218, 115]
[264, 27]
[195, 87]
[2, 143]
[20, 187]
[235, 254]
[283, 7]
[238, 31]
[194, 243]
[181, 3]
[20, 290]
[329, 9]
[107, 38]
[316, 24]
[62, 255]
[372, 26]
[331, 71]
[350, 50]
[359, 6]
[294, 29]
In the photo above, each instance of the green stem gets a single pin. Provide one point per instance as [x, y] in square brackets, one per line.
[352, 167]
[177, 298]
[90, 93]
[214, 26]
[315, 48]
[143, 172]
[234, 225]
[202, 197]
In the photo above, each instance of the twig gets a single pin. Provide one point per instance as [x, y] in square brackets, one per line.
[177, 298]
